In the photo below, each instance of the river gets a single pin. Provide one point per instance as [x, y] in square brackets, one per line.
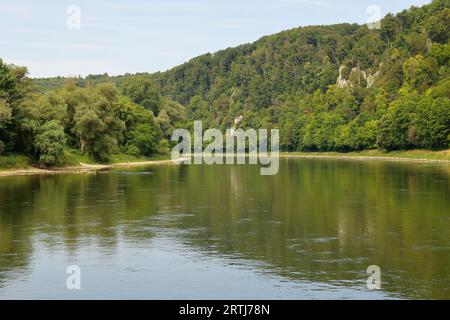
[226, 232]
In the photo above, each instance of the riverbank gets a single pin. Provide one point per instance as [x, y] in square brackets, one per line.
[24, 167]
[418, 156]
[84, 168]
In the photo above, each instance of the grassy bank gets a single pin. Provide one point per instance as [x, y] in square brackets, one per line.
[74, 157]
[71, 159]
[14, 161]
[405, 154]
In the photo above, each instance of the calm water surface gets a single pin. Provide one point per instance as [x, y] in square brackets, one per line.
[218, 232]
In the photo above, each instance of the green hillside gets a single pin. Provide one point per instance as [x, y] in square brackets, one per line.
[327, 88]
[393, 86]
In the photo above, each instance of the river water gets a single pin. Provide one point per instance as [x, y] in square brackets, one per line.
[226, 232]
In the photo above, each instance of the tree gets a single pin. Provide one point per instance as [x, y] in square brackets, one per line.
[389, 27]
[441, 89]
[96, 124]
[288, 140]
[13, 88]
[10, 83]
[198, 109]
[417, 43]
[438, 26]
[34, 112]
[5, 113]
[433, 123]
[441, 52]
[394, 127]
[50, 142]
[144, 137]
[163, 147]
[132, 115]
[421, 72]
[343, 138]
[366, 136]
[172, 116]
[5, 118]
[143, 91]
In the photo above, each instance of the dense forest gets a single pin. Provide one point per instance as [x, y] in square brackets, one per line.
[93, 120]
[343, 87]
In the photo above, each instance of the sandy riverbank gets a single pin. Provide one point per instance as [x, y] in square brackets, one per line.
[84, 168]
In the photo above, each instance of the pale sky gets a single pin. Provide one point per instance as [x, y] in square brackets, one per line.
[119, 36]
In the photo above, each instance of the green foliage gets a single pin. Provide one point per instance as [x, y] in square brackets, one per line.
[438, 25]
[143, 91]
[9, 83]
[421, 72]
[417, 43]
[441, 52]
[198, 109]
[14, 161]
[288, 81]
[394, 129]
[163, 147]
[50, 142]
[95, 119]
[392, 93]
[13, 87]
[433, 122]
[96, 124]
[357, 135]
[5, 113]
[133, 150]
[143, 138]
[442, 89]
[172, 116]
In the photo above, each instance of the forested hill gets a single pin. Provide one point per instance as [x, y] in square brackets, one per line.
[289, 79]
[307, 59]
[340, 87]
